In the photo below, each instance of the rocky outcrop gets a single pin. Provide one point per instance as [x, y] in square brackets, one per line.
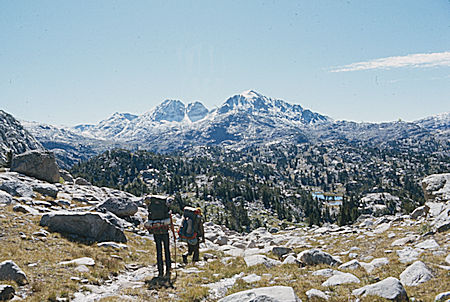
[10, 271]
[39, 164]
[121, 207]
[267, 294]
[90, 226]
[14, 139]
[389, 288]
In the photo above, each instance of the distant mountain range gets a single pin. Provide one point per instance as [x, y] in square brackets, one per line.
[243, 120]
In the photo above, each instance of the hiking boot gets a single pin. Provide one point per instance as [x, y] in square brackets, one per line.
[167, 275]
[185, 260]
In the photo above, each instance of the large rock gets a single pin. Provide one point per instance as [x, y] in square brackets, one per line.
[17, 188]
[6, 292]
[10, 271]
[415, 274]
[39, 164]
[437, 187]
[315, 257]
[389, 288]
[86, 225]
[119, 206]
[264, 294]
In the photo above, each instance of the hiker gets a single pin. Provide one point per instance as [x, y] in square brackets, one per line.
[191, 231]
[159, 222]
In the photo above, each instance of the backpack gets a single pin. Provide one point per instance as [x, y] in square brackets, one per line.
[190, 225]
[159, 217]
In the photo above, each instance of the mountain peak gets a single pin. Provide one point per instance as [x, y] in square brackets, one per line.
[251, 94]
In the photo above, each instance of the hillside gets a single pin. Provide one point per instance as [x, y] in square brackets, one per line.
[14, 138]
[399, 257]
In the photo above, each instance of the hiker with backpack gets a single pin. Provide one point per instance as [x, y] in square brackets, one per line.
[191, 231]
[159, 222]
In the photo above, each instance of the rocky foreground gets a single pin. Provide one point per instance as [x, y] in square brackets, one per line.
[74, 241]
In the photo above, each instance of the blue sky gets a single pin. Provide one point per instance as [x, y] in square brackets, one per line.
[73, 62]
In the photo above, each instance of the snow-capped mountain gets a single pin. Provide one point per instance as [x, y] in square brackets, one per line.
[14, 137]
[254, 103]
[68, 145]
[439, 124]
[243, 120]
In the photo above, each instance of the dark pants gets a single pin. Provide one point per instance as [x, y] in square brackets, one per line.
[193, 249]
[165, 239]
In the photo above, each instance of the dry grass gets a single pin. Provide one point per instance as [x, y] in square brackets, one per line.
[48, 280]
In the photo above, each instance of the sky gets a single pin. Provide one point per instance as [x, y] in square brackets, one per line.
[76, 62]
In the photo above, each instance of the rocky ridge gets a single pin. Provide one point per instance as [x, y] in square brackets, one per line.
[14, 138]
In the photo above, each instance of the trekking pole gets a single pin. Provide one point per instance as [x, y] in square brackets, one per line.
[175, 243]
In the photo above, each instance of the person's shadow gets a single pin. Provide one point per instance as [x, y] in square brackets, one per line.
[159, 282]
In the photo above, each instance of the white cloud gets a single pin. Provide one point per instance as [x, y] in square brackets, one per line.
[413, 60]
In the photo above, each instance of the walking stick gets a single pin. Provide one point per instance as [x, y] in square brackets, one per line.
[175, 242]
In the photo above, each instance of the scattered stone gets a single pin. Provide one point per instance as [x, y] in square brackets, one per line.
[280, 251]
[352, 264]
[85, 225]
[10, 271]
[341, 278]
[315, 257]
[114, 245]
[41, 233]
[420, 212]
[46, 189]
[219, 289]
[326, 272]
[21, 208]
[260, 259]
[221, 240]
[429, 244]
[66, 175]
[36, 163]
[82, 182]
[82, 269]
[5, 198]
[442, 297]
[121, 207]
[263, 294]
[80, 261]
[6, 292]
[291, 260]
[252, 278]
[389, 288]
[316, 294]
[16, 188]
[408, 254]
[382, 228]
[403, 241]
[447, 259]
[415, 274]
